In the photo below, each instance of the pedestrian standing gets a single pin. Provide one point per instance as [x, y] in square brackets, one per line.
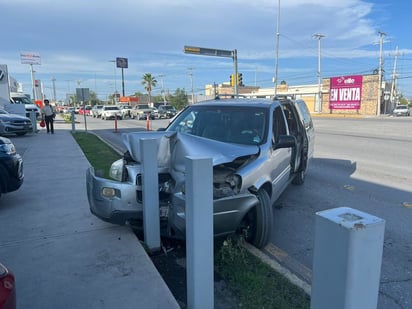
[48, 115]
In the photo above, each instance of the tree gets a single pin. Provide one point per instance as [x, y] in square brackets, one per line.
[179, 99]
[149, 82]
[94, 100]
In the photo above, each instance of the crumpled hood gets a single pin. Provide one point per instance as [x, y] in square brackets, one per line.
[174, 147]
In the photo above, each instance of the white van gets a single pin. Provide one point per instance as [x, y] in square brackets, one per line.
[21, 98]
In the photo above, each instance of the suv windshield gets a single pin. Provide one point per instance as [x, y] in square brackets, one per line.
[240, 125]
[22, 100]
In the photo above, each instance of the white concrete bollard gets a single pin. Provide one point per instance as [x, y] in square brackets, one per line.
[199, 233]
[150, 183]
[347, 259]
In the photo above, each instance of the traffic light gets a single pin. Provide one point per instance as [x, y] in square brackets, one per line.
[232, 80]
[239, 79]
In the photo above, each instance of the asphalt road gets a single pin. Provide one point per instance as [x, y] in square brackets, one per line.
[359, 163]
[363, 164]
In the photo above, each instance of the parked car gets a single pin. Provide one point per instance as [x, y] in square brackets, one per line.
[14, 124]
[96, 111]
[166, 111]
[85, 110]
[258, 148]
[126, 111]
[11, 167]
[111, 112]
[140, 112]
[155, 113]
[7, 288]
[402, 110]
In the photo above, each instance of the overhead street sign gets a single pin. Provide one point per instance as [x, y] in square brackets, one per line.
[208, 51]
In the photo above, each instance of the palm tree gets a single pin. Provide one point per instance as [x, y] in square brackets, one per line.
[149, 81]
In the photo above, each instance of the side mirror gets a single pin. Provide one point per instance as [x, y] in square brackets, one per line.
[286, 141]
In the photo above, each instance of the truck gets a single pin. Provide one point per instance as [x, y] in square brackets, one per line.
[21, 98]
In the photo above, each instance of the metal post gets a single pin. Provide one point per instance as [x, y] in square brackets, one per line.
[33, 119]
[151, 221]
[347, 259]
[123, 81]
[199, 233]
[73, 122]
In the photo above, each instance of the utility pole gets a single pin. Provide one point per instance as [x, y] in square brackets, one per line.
[33, 82]
[277, 50]
[54, 89]
[318, 106]
[394, 76]
[191, 84]
[378, 109]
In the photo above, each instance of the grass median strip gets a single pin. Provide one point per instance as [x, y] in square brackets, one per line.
[255, 283]
[99, 154]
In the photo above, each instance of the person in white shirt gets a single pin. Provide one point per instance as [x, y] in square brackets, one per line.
[47, 113]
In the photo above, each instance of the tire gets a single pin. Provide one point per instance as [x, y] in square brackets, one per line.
[299, 177]
[4, 179]
[257, 224]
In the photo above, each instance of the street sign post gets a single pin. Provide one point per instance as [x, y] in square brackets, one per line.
[83, 95]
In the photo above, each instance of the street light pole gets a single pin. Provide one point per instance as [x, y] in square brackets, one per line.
[318, 106]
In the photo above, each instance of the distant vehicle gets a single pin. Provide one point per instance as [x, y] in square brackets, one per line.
[7, 288]
[402, 110]
[155, 113]
[111, 112]
[258, 148]
[21, 98]
[166, 111]
[140, 112]
[125, 111]
[11, 167]
[85, 110]
[14, 124]
[96, 111]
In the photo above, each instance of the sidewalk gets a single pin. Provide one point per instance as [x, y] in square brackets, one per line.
[62, 255]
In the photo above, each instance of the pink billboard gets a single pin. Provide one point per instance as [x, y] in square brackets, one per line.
[345, 92]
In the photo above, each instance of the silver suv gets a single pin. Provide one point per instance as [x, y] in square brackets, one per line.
[111, 112]
[258, 148]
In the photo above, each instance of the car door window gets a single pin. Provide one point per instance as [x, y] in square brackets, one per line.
[279, 125]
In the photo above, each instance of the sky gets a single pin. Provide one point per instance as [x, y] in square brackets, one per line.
[78, 41]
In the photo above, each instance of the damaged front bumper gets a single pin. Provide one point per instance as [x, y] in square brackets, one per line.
[117, 202]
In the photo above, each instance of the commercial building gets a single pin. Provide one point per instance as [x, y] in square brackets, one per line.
[353, 94]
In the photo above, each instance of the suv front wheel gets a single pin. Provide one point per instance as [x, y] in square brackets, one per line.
[257, 224]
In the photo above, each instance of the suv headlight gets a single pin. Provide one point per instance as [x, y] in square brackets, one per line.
[116, 170]
[8, 149]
